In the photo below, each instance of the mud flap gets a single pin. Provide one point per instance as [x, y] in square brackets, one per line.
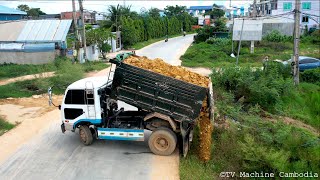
[186, 133]
[63, 128]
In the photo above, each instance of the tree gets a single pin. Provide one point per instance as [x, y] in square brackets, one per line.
[23, 7]
[220, 25]
[33, 12]
[216, 13]
[117, 12]
[99, 36]
[154, 13]
[114, 16]
[174, 10]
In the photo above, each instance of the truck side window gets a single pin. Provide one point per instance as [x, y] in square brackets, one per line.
[70, 113]
[75, 97]
[79, 97]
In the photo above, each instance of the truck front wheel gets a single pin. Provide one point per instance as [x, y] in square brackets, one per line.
[85, 135]
[162, 141]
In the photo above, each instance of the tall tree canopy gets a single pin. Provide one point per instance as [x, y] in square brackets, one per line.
[174, 10]
[33, 12]
[117, 12]
[154, 12]
[23, 7]
[216, 12]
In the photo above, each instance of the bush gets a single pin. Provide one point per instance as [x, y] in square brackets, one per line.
[204, 33]
[276, 36]
[253, 87]
[275, 46]
[311, 76]
[219, 41]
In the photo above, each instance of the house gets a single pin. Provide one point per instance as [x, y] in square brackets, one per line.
[10, 14]
[89, 17]
[310, 12]
[196, 11]
[49, 16]
[32, 41]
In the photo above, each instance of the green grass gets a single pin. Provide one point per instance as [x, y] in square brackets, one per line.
[254, 144]
[5, 126]
[15, 70]
[303, 104]
[66, 74]
[94, 66]
[140, 45]
[217, 55]
[256, 138]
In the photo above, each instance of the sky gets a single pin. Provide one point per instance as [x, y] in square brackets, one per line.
[57, 6]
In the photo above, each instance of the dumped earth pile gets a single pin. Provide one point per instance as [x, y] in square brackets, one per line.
[159, 66]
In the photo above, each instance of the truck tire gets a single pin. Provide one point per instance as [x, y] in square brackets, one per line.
[85, 135]
[162, 141]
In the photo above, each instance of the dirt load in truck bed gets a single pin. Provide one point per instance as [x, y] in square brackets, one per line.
[159, 66]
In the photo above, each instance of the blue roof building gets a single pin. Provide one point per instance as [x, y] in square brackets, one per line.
[10, 14]
[198, 10]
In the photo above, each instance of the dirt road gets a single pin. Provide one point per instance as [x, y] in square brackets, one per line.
[36, 148]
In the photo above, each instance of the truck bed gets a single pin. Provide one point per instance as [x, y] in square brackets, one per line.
[157, 93]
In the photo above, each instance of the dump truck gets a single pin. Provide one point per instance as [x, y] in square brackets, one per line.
[164, 105]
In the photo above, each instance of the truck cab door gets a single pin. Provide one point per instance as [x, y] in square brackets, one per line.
[74, 107]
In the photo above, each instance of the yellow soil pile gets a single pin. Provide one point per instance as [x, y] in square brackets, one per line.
[205, 133]
[159, 66]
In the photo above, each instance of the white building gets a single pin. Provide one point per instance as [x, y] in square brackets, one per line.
[310, 10]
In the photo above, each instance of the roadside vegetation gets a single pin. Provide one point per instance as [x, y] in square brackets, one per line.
[252, 132]
[65, 74]
[263, 123]
[9, 70]
[215, 52]
[5, 126]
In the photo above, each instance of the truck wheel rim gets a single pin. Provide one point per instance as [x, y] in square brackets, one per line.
[161, 144]
[83, 136]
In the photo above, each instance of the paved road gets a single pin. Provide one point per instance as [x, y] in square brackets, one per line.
[53, 155]
[168, 51]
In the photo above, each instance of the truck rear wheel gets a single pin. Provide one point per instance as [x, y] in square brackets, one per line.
[85, 135]
[162, 141]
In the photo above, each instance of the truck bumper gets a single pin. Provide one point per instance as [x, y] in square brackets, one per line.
[63, 129]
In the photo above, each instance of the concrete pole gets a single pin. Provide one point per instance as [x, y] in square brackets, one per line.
[74, 16]
[254, 11]
[239, 47]
[252, 47]
[84, 42]
[75, 26]
[296, 42]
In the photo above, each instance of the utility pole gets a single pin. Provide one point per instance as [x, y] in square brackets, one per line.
[74, 17]
[75, 26]
[84, 45]
[254, 11]
[239, 47]
[296, 42]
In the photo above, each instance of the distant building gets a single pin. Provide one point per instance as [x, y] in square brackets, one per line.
[196, 11]
[310, 12]
[32, 41]
[89, 17]
[10, 14]
[49, 16]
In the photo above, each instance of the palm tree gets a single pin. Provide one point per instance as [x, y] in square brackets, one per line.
[116, 12]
